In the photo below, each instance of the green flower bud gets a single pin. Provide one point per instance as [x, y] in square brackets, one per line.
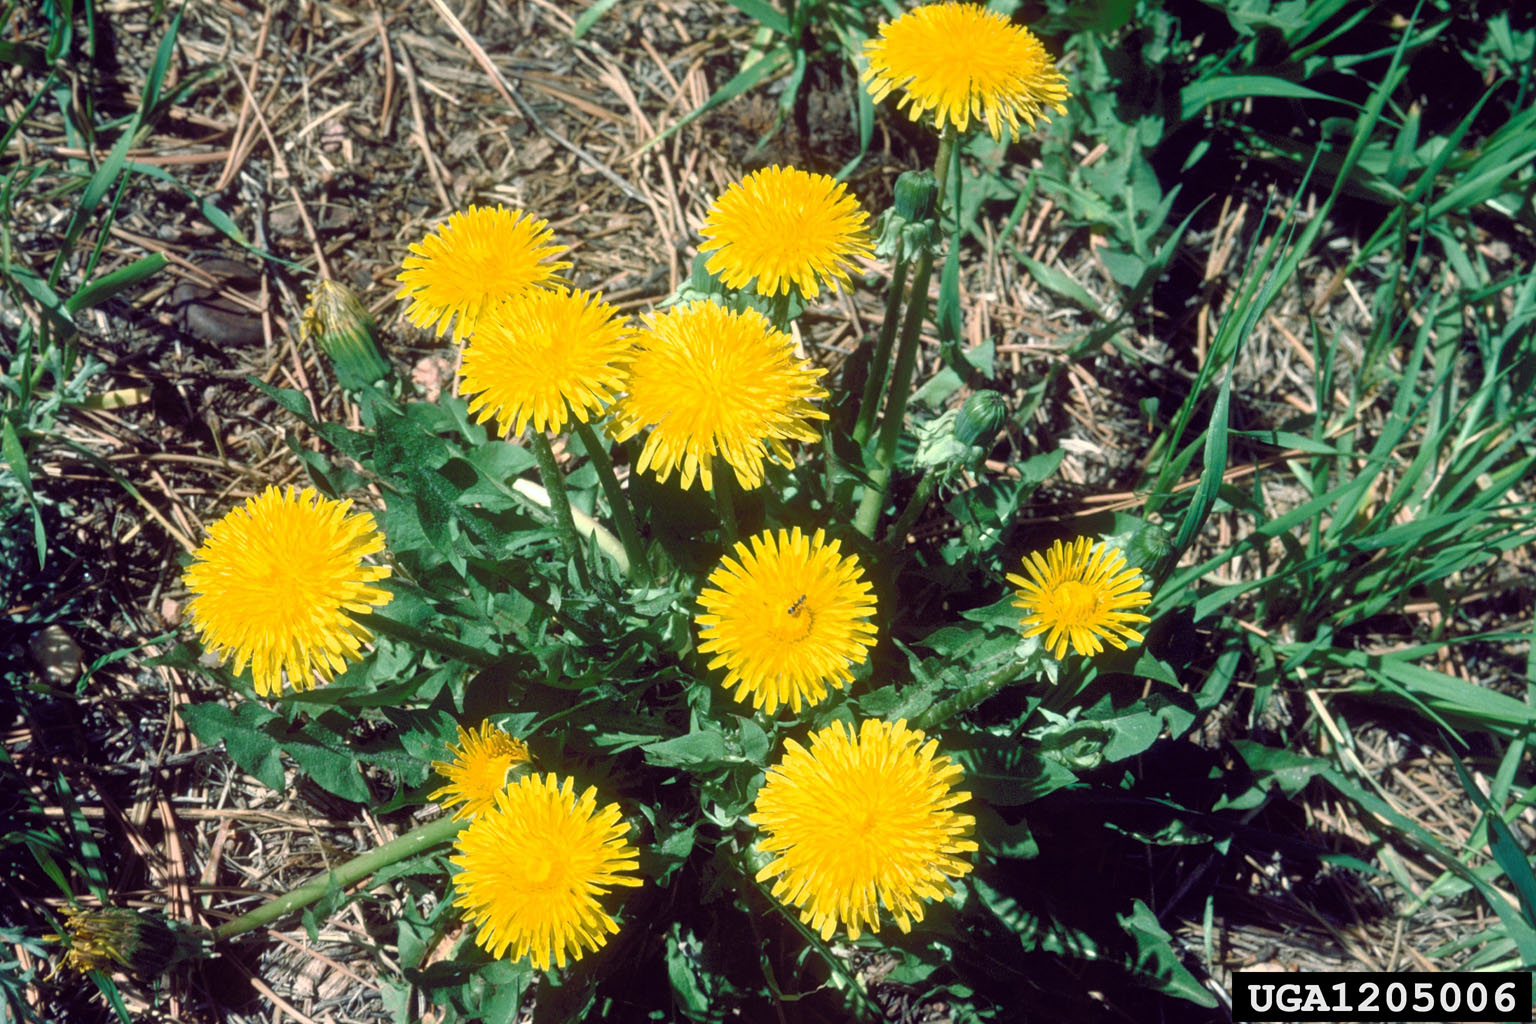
[1148, 546]
[341, 328]
[915, 195]
[982, 415]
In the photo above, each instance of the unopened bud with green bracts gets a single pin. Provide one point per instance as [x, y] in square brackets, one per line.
[345, 331]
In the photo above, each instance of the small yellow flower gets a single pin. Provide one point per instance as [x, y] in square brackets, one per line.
[546, 355]
[482, 766]
[780, 227]
[862, 820]
[1080, 592]
[479, 258]
[532, 867]
[707, 382]
[788, 618]
[274, 581]
[963, 61]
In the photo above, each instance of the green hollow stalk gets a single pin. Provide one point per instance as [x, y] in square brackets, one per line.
[353, 871]
[725, 501]
[899, 530]
[623, 515]
[880, 359]
[560, 505]
[873, 500]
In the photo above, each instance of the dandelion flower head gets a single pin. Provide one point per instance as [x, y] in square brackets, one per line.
[1080, 592]
[482, 256]
[545, 355]
[708, 381]
[781, 226]
[860, 820]
[786, 618]
[962, 61]
[481, 766]
[531, 869]
[274, 581]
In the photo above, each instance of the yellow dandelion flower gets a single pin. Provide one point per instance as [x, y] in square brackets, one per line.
[860, 820]
[708, 381]
[545, 355]
[963, 61]
[533, 866]
[780, 227]
[788, 618]
[481, 767]
[1080, 592]
[480, 257]
[274, 581]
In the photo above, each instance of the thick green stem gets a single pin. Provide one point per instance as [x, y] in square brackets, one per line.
[725, 500]
[880, 359]
[868, 515]
[623, 515]
[903, 524]
[350, 873]
[560, 505]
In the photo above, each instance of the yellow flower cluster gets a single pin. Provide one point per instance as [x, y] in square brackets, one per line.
[862, 820]
[704, 382]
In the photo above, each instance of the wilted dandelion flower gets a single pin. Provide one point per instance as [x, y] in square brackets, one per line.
[479, 258]
[709, 381]
[1080, 592]
[274, 581]
[532, 867]
[787, 618]
[862, 820]
[103, 938]
[781, 226]
[963, 61]
[545, 355]
[481, 766]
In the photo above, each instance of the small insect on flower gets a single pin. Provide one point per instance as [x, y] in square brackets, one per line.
[777, 647]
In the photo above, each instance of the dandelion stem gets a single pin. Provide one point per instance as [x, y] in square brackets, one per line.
[353, 871]
[725, 501]
[623, 515]
[880, 359]
[560, 505]
[919, 501]
[868, 515]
